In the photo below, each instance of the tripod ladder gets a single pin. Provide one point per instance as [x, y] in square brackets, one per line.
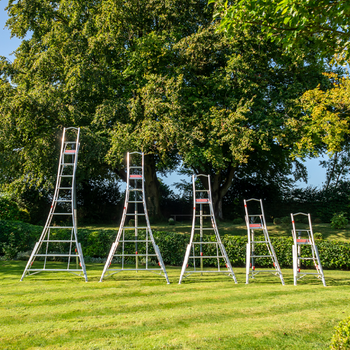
[257, 222]
[134, 244]
[58, 241]
[302, 238]
[199, 250]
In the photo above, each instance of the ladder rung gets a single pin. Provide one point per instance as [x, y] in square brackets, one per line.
[133, 227]
[65, 188]
[135, 254]
[67, 163]
[257, 242]
[60, 227]
[57, 270]
[134, 240]
[206, 257]
[63, 200]
[135, 167]
[261, 256]
[133, 214]
[62, 214]
[204, 215]
[58, 241]
[62, 255]
[307, 258]
[206, 243]
[135, 201]
[135, 189]
[66, 175]
[310, 273]
[204, 228]
[135, 177]
[127, 269]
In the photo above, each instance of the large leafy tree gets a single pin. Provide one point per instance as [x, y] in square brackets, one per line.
[148, 75]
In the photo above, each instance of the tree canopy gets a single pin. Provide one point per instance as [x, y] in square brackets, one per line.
[154, 76]
[322, 24]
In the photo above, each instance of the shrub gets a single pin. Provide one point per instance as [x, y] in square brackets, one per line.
[339, 220]
[341, 337]
[277, 221]
[286, 220]
[171, 221]
[317, 235]
[238, 221]
[318, 221]
[9, 210]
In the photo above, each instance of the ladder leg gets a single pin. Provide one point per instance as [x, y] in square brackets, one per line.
[320, 266]
[295, 263]
[247, 261]
[184, 265]
[227, 262]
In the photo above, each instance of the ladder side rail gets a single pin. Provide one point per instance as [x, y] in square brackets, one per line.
[262, 218]
[188, 250]
[73, 197]
[320, 269]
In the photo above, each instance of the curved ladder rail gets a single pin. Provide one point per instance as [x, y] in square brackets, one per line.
[59, 241]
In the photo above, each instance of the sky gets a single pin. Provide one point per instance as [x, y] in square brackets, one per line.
[316, 174]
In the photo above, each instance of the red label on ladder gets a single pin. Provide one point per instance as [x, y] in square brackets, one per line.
[134, 176]
[69, 151]
[303, 241]
[202, 200]
[255, 225]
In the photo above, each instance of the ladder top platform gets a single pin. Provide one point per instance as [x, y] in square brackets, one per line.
[202, 200]
[135, 176]
[255, 226]
[305, 241]
[69, 151]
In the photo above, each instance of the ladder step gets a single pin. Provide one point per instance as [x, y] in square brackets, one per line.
[70, 151]
[66, 175]
[206, 243]
[133, 227]
[63, 200]
[135, 167]
[204, 228]
[259, 242]
[67, 163]
[135, 190]
[307, 258]
[61, 255]
[261, 256]
[133, 214]
[61, 214]
[65, 188]
[58, 241]
[135, 254]
[206, 257]
[134, 240]
[205, 215]
[55, 270]
[135, 177]
[70, 227]
[135, 201]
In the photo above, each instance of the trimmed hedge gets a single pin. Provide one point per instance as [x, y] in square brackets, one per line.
[20, 237]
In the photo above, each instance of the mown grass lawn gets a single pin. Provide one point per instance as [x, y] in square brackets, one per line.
[140, 311]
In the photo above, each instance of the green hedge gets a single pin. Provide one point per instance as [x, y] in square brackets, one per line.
[19, 237]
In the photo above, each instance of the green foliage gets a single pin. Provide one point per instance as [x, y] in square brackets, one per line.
[9, 210]
[339, 220]
[238, 221]
[323, 24]
[286, 220]
[317, 235]
[341, 337]
[171, 221]
[277, 221]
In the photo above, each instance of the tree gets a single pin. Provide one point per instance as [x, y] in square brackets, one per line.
[151, 75]
[226, 101]
[323, 24]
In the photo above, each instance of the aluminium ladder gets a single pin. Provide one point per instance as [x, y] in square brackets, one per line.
[134, 244]
[299, 242]
[59, 241]
[257, 222]
[198, 250]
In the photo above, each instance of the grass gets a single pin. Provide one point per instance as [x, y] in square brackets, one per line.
[241, 230]
[140, 311]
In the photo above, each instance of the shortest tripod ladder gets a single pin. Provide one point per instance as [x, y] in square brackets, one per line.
[134, 248]
[257, 222]
[59, 242]
[302, 238]
[200, 250]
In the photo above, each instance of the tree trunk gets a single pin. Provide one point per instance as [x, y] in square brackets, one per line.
[152, 187]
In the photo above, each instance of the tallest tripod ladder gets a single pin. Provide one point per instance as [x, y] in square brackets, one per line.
[255, 222]
[134, 248]
[59, 241]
